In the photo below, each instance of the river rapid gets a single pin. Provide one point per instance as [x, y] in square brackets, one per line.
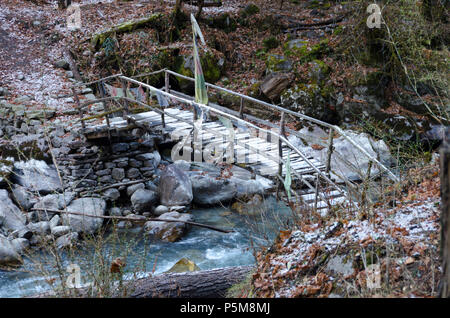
[206, 248]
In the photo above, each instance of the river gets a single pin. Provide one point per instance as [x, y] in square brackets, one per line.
[208, 249]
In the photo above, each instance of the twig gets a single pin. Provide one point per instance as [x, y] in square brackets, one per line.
[140, 220]
[115, 185]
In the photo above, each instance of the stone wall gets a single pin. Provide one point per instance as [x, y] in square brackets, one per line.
[87, 167]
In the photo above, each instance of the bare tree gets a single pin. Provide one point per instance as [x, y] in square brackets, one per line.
[445, 215]
[63, 4]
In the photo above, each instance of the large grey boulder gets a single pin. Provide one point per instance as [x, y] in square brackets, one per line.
[260, 185]
[8, 253]
[81, 223]
[151, 159]
[168, 231]
[175, 187]
[111, 194]
[20, 245]
[37, 176]
[25, 199]
[143, 200]
[352, 163]
[132, 188]
[11, 218]
[208, 190]
[347, 161]
[274, 84]
[40, 228]
[52, 202]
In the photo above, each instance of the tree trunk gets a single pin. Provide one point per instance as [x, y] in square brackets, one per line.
[445, 215]
[200, 4]
[178, 6]
[201, 284]
[63, 4]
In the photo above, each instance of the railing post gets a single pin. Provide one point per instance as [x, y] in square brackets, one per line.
[125, 106]
[329, 152]
[166, 81]
[241, 109]
[366, 183]
[280, 151]
[80, 111]
[316, 192]
[167, 89]
[147, 93]
[105, 107]
[195, 112]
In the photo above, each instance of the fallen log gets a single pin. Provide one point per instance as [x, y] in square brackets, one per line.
[201, 284]
[212, 283]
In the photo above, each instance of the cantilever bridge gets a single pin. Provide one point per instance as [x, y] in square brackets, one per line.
[256, 143]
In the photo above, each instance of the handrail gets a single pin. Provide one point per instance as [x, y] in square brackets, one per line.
[149, 74]
[97, 81]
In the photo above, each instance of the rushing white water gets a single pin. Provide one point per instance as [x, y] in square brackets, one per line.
[208, 249]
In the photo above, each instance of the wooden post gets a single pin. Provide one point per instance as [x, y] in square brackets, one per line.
[105, 108]
[316, 196]
[366, 183]
[167, 89]
[280, 151]
[195, 112]
[166, 82]
[125, 105]
[80, 111]
[241, 109]
[329, 152]
[147, 94]
[445, 215]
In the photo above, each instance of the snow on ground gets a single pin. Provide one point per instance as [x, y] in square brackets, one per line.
[27, 56]
[412, 224]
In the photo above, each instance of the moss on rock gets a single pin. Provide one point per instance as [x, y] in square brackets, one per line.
[153, 20]
[211, 65]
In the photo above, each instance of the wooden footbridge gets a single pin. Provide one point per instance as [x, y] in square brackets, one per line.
[227, 135]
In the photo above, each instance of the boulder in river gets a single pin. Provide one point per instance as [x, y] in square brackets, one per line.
[207, 190]
[81, 223]
[184, 265]
[52, 202]
[11, 218]
[8, 253]
[169, 231]
[37, 176]
[23, 198]
[356, 163]
[175, 187]
[143, 200]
